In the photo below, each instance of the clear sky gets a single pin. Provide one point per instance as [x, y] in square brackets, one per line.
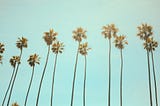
[30, 18]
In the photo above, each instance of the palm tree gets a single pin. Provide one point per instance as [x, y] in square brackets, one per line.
[83, 50]
[151, 45]
[21, 43]
[48, 37]
[109, 31]
[144, 32]
[78, 35]
[57, 48]
[13, 61]
[119, 43]
[2, 49]
[33, 59]
[15, 104]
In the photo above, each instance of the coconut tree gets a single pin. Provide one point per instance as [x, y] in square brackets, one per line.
[108, 32]
[13, 61]
[21, 43]
[57, 48]
[2, 49]
[78, 35]
[48, 37]
[83, 50]
[144, 32]
[151, 45]
[33, 60]
[15, 104]
[119, 43]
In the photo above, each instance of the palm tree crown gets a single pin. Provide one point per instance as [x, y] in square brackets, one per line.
[150, 44]
[57, 47]
[79, 34]
[50, 36]
[120, 41]
[33, 59]
[21, 43]
[2, 49]
[15, 104]
[83, 49]
[14, 60]
[109, 31]
[144, 31]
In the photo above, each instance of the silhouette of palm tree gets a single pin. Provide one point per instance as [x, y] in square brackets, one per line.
[48, 37]
[83, 50]
[119, 43]
[13, 61]
[78, 35]
[109, 31]
[33, 59]
[21, 43]
[57, 48]
[15, 104]
[2, 49]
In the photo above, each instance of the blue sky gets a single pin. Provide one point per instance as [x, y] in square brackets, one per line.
[30, 19]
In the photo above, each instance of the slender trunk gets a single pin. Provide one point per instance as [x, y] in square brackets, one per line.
[39, 90]
[155, 82]
[149, 78]
[10, 82]
[84, 86]
[54, 71]
[121, 76]
[109, 84]
[29, 87]
[10, 93]
[74, 77]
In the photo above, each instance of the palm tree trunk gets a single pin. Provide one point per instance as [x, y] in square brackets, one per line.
[109, 84]
[149, 78]
[39, 90]
[121, 76]
[54, 71]
[74, 77]
[10, 82]
[155, 82]
[29, 87]
[84, 86]
[10, 94]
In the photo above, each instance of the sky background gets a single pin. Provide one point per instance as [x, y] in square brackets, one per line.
[30, 19]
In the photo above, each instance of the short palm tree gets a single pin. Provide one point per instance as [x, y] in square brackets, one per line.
[13, 61]
[33, 60]
[48, 37]
[151, 45]
[119, 43]
[78, 35]
[57, 48]
[15, 104]
[2, 49]
[21, 43]
[109, 31]
[83, 50]
[144, 32]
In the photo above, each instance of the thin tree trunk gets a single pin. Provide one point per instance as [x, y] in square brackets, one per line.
[84, 86]
[155, 82]
[74, 77]
[149, 78]
[121, 76]
[29, 87]
[54, 72]
[10, 94]
[10, 82]
[109, 84]
[39, 90]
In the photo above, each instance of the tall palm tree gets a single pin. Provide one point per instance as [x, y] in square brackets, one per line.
[151, 45]
[109, 31]
[15, 104]
[119, 43]
[78, 35]
[48, 37]
[21, 43]
[2, 49]
[83, 50]
[57, 48]
[13, 61]
[144, 32]
[33, 60]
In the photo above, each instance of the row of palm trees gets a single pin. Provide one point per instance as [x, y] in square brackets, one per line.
[79, 35]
